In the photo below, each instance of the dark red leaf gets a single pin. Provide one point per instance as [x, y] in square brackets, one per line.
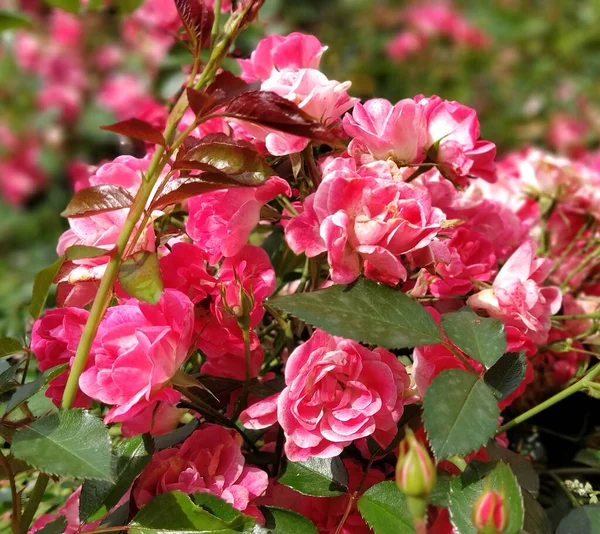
[271, 110]
[97, 199]
[226, 86]
[199, 102]
[197, 19]
[251, 13]
[137, 129]
[180, 189]
[237, 159]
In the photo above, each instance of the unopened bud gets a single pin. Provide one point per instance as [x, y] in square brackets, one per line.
[415, 471]
[489, 513]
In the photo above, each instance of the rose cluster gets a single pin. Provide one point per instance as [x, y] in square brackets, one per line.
[408, 196]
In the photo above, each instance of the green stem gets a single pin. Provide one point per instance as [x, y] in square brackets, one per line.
[157, 163]
[577, 386]
[34, 501]
[582, 265]
[566, 491]
[595, 315]
[215, 28]
[16, 505]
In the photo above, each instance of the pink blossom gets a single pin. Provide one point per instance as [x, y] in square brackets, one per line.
[69, 510]
[275, 52]
[388, 131]
[21, 175]
[364, 222]
[221, 222]
[158, 16]
[54, 340]
[323, 99]
[156, 419]
[568, 135]
[471, 258]
[209, 461]
[336, 392]
[140, 347]
[517, 297]
[403, 45]
[453, 140]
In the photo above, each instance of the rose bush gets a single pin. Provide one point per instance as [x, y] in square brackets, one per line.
[294, 310]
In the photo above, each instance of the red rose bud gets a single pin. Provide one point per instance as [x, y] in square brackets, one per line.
[415, 471]
[489, 513]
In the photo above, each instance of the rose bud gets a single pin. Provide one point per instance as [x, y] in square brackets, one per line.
[489, 513]
[415, 471]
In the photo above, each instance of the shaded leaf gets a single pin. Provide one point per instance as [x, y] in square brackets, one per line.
[481, 338]
[383, 506]
[507, 374]
[28, 390]
[174, 512]
[97, 199]
[582, 520]
[199, 101]
[536, 520]
[72, 443]
[10, 20]
[7, 376]
[58, 526]
[226, 86]
[465, 490]
[460, 413]
[41, 287]
[365, 311]
[179, 189]
[137, 129]
[9, 346]
[237, 159]
[282, 521]
[319, 477]
[273, 111]
[166, 441]
[77, 252]
[97, 496]
[139, 276]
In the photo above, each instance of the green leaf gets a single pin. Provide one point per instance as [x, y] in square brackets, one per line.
[72, 6]
[41, 287]
[28, 390]
[383, 506]
[139, 275]
[365, 311]
[465, 491]
[582, 520]
[76, 252]
[71, 443]
[99, 496]
[507, 374]
[9, 346]
[174, 512]
[481, 338]
[282, 521]
[7, 376]
[319, 477]
[166, 441]
[10, 20]
[589, 457]
[223, 510]
[460, 413]
[58, 526]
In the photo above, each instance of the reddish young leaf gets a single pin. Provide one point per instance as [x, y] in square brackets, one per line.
[97, 199]
[271, 110]
[180, 189]
[137, 129]
[237, 159]
[226, 86]
[199, 102]
[197, 19]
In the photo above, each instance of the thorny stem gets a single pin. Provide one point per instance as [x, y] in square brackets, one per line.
[157, 163]
[580, 385]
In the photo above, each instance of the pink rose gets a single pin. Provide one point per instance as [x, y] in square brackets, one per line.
[404, 44]
[221, 221]
[139, 349]
[471, 258]
[70, 511]
[156, 419]
[54, 340]
[364, 222]
[275, 52]
[209, 461]
[388, 131]
[454, 128]
[517, 298]
[323, 99]
[336, 391]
